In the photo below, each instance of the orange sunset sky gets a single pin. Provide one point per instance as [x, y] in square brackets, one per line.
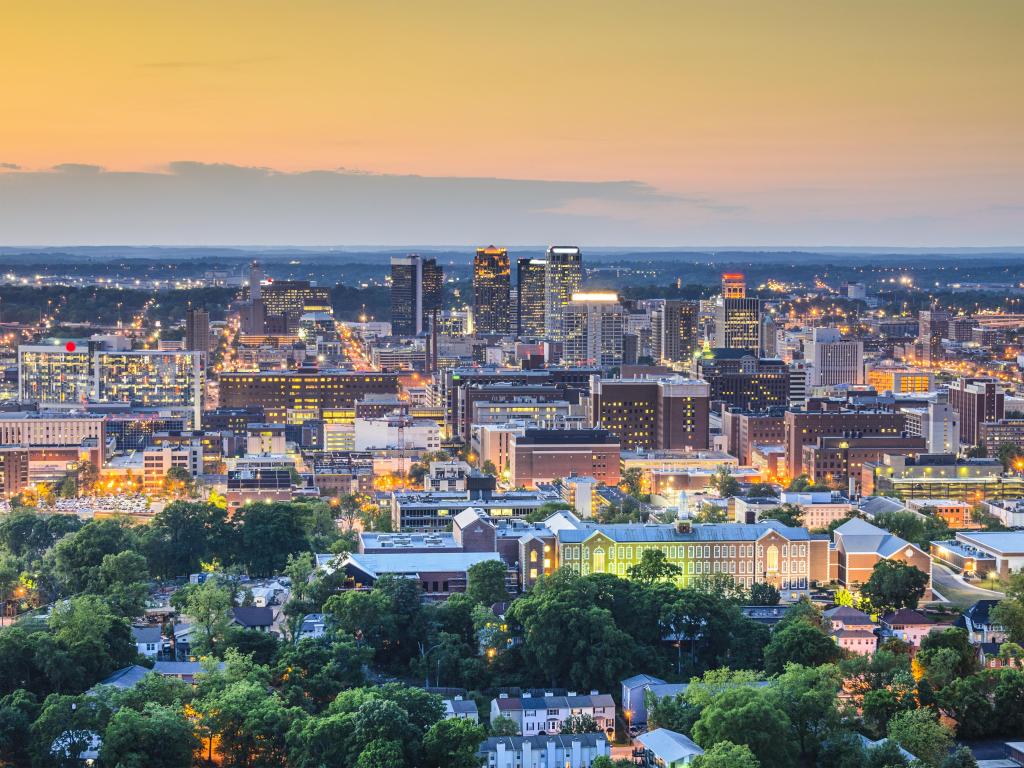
[733, 122]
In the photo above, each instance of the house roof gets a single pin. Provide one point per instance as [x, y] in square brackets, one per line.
[848, 615]
[180, 668]
[853, 633]
[978, 613]
[638, 680]
[861, 536]
[146, 634]
[461, 706]
[906, 617]
[564, 741]
[668, 533]
[253, 617]
[126, 677]
[1010, 542]
[669, 746]
[422, 562]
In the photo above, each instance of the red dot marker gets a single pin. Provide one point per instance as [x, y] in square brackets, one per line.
[71, 346]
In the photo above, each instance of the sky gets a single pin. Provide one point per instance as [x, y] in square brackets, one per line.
[639, 123]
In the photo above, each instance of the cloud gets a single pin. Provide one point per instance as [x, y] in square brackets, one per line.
[10, 167]
[202, 203]
[221, 64]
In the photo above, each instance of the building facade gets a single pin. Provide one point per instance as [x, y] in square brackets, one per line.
[492, 282]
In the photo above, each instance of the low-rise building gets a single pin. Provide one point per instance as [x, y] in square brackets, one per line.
[544, 455]
[543, 712]
[908, 625]
[570, 751]
[663, 748]
[460, 708]
[1009, 512]
[859, 546]
[953, 512]
[852, 630]
[930, 476]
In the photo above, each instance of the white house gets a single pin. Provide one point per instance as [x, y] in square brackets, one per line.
[543, 713]
[147, 641]
[570, 751]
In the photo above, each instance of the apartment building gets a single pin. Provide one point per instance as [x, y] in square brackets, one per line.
[544, 712]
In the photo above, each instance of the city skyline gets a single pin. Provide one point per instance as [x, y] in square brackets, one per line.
[746, 124]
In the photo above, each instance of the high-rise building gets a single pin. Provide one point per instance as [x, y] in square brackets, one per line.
[562, 278]
[433, 286]
[933, 327]
[254, 311]
[197, 331]
[938, 424]
[740, 379]
[675, 331]
[593, 324]
[834, 360]
[737, 317]
[976, 399]
[406, 295]
[492, 280]
[530, 316]
[59, 374]
[654, 413]
[150, 378]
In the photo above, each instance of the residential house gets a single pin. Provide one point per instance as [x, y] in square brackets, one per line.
[852, 630]
[634, 690]
[667, 749]
[182, 670]
[460, 708]
[570, 751]
[980, 628]
[314, 625]
[261, 619]
[147, 641]
[543, 712]
[909, 626]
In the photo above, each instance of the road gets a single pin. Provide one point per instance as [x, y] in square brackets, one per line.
[956, 590]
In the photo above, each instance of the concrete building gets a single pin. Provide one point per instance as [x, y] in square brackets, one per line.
[592, 324]
[493, 443]
[158, 461]
[532, 299]
[788, 558]
[931, 476]
[744, 430]
[993, 435]
[14, 463]
[653, 413]
[859, 546]
[899, 379]
[741, 379]
[197, 331]
[30, 428]
[252, 485]
[805, 427]
[737, 317]
[674, 331]
[446, 476]
[838, 461]
[407, 295]
[938, 423]
[397, 432]
[545, 455]
[976, 400]
[834, 360]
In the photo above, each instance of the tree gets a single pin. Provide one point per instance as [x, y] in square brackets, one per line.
[807, 695]
[580, 724]
[66, 727]
[17, 712]
[744, 715]
[381, 753]
[77, 557]
[724, 483]
[725, 754]
[504, 726]
[674, 713]
[653, 566]
[963, 660]
[156, 737]
[453, 744]
[960, 758]
[970, 701]
[122, 581]
[269, 534]
[209, 606]
[799, 643]
[787, 514]
[762, 593]
[485, 582]
[894, 584]
[922, 735]
[632, 481]
[711, 513]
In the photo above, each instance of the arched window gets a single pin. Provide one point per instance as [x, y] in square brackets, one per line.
[772, 561]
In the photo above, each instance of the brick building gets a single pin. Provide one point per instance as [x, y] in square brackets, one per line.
[805, 427]
[653, 413]
[544, 455]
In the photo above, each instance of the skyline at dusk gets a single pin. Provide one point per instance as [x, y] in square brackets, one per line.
[744, 124]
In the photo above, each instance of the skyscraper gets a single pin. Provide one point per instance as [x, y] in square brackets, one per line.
[433, 286]
[530, 317]
[406, 295]
[593, 324]
[737, 318]
[562, 278]
[197, 330]
[933, 327]
[492, 279]
[675, 330]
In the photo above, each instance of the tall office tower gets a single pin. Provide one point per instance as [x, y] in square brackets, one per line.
[593, 324]
[255, 281]
[933, 327]
[675, 333]
[665, 412]
[976, 400]
[530, 317]
[833, 360]
[798, 374]
[254, 312]
[769, 336]
[197, 330]
[433, 286]
[562, 278]
[737, 318]
[406, 295]
[492, 281]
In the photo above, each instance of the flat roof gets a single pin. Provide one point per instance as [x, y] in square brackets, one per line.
[1005, 543]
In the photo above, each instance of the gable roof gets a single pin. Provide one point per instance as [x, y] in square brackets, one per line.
[669, 745]
[146, 634]
[629, 532]
[860, 536]
[126, 677]
[253, 617]
[848, 615]
[906, 616]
